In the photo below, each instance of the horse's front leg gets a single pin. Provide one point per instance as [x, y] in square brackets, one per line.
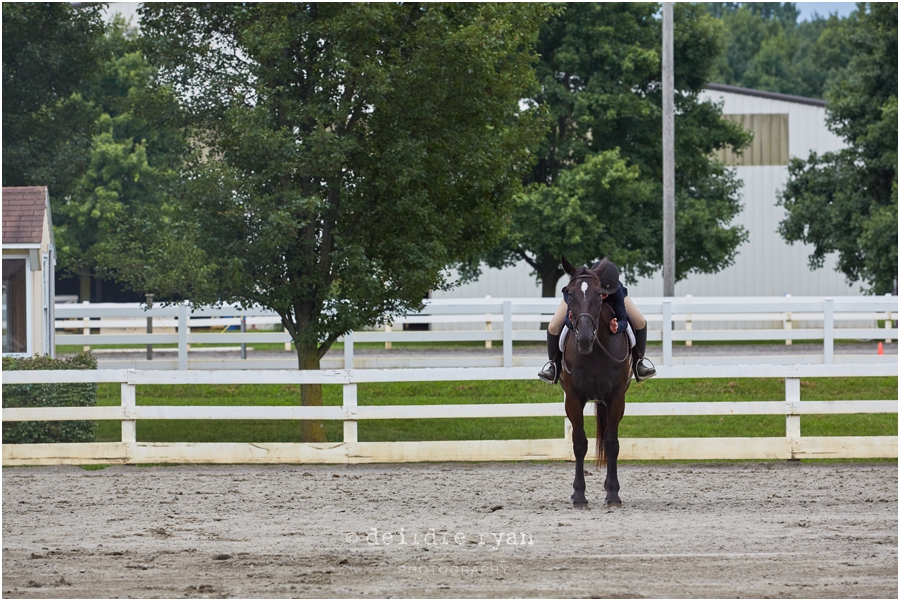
[575, 413]
[611, 448]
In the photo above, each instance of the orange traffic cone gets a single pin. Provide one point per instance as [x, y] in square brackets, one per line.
[880, 348]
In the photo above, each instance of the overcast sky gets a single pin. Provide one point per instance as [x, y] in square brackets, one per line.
[807, 9]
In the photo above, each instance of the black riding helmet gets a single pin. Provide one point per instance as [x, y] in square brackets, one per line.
[608, 273]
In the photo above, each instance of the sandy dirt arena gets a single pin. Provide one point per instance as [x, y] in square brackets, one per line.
[450, 530]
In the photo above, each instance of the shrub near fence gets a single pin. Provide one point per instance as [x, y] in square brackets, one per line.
[49, 395]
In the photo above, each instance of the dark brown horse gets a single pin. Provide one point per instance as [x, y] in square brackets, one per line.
[596, 367]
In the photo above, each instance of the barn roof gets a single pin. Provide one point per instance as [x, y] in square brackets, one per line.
[24, 211]
[720, 87]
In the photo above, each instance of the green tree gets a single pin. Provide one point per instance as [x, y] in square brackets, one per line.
[49, 50]
[345, 155]
[596, 187]
[846, 201]
[766, 48]
[134, 152]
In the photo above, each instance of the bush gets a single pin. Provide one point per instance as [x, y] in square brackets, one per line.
[49, 395]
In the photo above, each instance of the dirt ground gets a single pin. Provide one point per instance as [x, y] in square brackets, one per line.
[450, 530]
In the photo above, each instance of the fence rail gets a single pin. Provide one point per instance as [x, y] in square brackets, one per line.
[792, 445]
[503, 321]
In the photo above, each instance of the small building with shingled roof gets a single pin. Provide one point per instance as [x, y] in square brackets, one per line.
[29, 261]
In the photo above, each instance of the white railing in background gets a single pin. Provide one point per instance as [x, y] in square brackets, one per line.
[503, 321]
[791, 445]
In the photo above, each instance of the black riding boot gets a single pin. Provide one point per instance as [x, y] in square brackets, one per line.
[550, 373]
[643, 369]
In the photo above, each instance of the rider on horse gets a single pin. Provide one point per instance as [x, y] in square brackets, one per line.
[626, 311]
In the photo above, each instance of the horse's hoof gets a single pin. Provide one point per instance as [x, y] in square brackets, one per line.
[613, 504]
[581, 505]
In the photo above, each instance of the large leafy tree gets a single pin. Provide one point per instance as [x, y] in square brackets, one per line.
[596, 187]
[846, 201]
[345, 155]
[79, 116]
[766, 48]
[49, 51]
[134, 152]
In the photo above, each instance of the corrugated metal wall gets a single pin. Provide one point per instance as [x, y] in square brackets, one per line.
[766, 265]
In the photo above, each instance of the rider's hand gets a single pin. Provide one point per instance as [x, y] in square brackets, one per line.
[613, 325]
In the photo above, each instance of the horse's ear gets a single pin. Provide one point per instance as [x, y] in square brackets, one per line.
[567, 267]
[601, 265]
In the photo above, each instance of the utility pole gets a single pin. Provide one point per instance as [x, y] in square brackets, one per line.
[668, 127]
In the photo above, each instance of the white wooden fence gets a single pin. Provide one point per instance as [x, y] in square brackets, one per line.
[500, 321]
[791, 445]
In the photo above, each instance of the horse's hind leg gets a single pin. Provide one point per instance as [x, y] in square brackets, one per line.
[575, 413]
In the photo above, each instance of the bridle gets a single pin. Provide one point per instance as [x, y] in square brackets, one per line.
[595, 323]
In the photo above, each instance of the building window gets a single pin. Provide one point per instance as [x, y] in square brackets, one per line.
[15, 306]
[770, 141]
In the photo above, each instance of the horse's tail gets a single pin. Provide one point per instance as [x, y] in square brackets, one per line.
[600, 411]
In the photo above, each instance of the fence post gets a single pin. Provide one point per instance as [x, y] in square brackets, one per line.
[149, 298]
[788, 324]
[688, 325]
[182, 337]
[829, 330]
[488, 325]
[87, 327]
[792, 412]
[129, 426]
[667, 332]
[149, 346]
[888, 321]
[507, 334]
[348, 350]
[387, 330]
[350, 403]
[243, 331]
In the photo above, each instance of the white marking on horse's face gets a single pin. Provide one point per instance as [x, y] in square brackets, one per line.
[584, 288]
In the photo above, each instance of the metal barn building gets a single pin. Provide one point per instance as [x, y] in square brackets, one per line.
[783, 126]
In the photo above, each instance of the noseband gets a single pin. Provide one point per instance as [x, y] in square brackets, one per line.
[595, 321]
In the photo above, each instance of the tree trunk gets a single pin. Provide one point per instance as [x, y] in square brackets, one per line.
[310, 394]
[548, 287]
[549, 278]
[84, 286]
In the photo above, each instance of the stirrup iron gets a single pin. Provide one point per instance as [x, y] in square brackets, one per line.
[650, 372]
[550, 373]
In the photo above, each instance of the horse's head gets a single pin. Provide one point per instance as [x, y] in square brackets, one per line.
[585, 301]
